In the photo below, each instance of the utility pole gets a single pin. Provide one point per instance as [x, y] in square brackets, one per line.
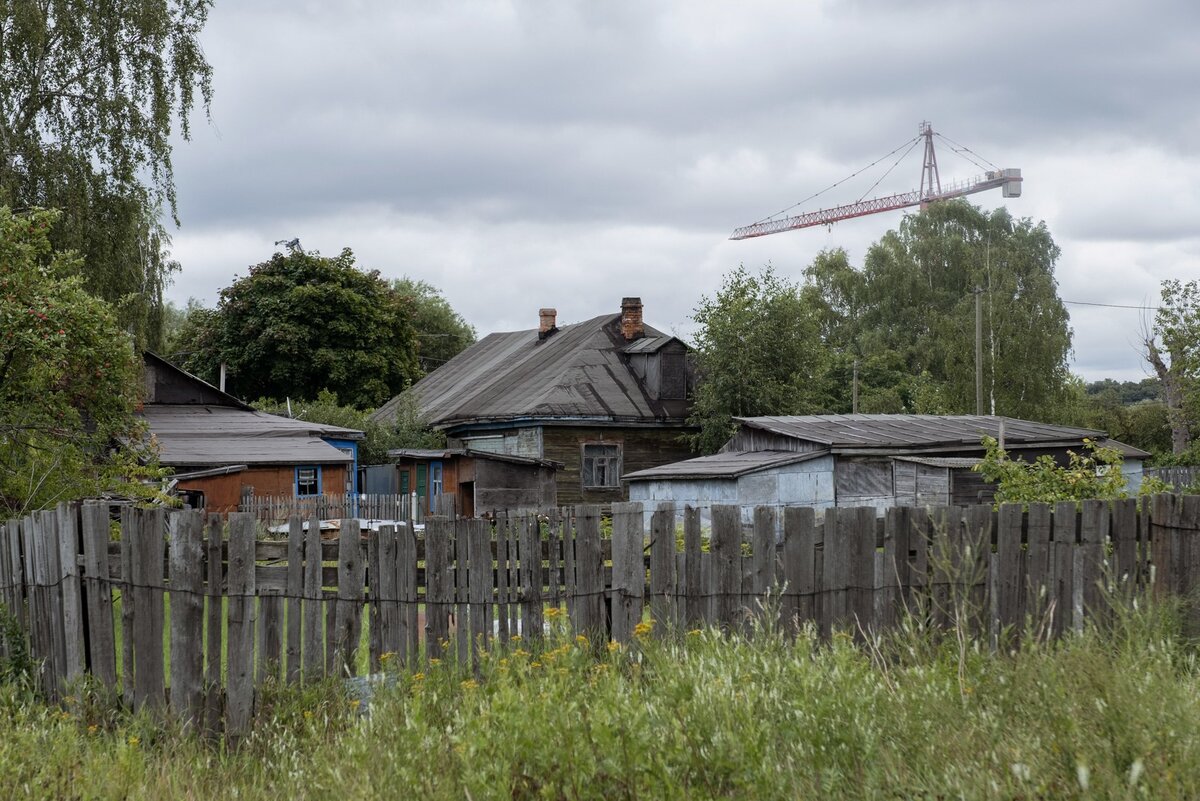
[854, 396]
[978, 350]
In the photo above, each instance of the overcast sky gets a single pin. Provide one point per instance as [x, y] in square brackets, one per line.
[567, 154]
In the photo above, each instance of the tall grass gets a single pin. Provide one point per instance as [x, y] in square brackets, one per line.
[1109, 713]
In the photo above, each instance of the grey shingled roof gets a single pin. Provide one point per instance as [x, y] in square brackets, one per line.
[577, 372]
[194, 434]
[723, 465]
[851, 431]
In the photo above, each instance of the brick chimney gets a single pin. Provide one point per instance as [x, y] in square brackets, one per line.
[546, 320]
[631, 319]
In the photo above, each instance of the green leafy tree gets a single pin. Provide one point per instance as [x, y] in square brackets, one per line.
[757, 350]
[921, 283]
[408, 430]
[301, 323]
[1172, 347]
[1095, 473]
[90, 95]
[442, 333]
[68, 375]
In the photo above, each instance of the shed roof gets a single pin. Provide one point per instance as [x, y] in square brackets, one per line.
[723, 465]
[578, 372]
[852, 431]
[193, 434]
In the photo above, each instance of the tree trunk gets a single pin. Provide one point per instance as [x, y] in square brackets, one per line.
[1173, 395]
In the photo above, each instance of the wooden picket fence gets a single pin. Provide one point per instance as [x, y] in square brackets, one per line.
[272, 510]
[117, 598]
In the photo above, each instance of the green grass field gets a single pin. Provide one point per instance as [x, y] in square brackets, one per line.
[1104, 714]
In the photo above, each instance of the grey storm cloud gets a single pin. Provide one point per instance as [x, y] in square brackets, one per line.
[585, 148]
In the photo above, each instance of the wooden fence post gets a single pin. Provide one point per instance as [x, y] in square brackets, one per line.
[480, 583]
[531, 577]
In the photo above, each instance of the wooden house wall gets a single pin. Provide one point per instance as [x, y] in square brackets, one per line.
[224, 493]
[864, 481]
[641, 449]
[502, 485]
[755, 439]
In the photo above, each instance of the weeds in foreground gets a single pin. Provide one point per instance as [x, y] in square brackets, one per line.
[1109, 713]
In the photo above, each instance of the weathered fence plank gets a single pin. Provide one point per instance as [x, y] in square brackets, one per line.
[293, 650]
[697, 590]
[241, 611]
[74, 644]
[149, 551]
[588, 614]
[726, 548]
[186, 549]
[313, 646]
[531, 578]
[214, 622]
[662, 568]
[351, 573]
[101, 638]
[480, 582]
[439, 593]
[629, 570]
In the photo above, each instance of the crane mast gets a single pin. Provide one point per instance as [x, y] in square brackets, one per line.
[930, 191]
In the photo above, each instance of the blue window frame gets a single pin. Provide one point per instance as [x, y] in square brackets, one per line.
[308, 480]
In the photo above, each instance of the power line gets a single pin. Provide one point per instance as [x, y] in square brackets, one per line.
[1141, 308]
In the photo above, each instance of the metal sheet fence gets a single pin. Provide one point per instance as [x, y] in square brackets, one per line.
[124, 598]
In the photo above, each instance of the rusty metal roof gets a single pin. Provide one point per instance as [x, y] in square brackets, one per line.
[853, 431]
[578, 372]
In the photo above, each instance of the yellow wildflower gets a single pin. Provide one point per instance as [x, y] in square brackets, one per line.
[418, 677]
[435, 661]
[470, 684]
[355, 704]
[535, 664]
[642, 629]
[386, 657]
[553, 612]
[516, 638]
[581, 639]
[613, 646]
[694, 633]
[93, 729]
[135, 741]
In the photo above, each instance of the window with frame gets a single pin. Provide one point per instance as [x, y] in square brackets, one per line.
[308, 481]
[601, 467]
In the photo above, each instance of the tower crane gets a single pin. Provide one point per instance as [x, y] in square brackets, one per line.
[931, 190]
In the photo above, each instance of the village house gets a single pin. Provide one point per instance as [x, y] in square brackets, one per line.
[222, 449]
[600, 397]
[879, 460]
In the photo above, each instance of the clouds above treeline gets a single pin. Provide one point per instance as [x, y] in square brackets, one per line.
[567, 154]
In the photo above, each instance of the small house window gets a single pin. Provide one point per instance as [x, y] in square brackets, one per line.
[308, 481]
[601, 468]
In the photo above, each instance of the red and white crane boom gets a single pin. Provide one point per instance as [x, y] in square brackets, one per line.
[1008, 180]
